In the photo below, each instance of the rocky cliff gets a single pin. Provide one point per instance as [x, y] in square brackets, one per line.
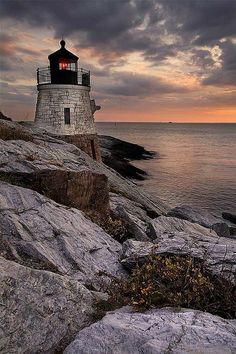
[60, 214]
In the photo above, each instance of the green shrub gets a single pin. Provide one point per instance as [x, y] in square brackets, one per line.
[175, 281]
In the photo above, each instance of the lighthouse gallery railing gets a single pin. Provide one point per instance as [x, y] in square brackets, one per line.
[44, 76]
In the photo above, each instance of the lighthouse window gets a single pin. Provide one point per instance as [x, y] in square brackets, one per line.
[67, 115]
[66, 65]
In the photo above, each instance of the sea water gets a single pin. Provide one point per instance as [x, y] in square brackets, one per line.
[195, 164]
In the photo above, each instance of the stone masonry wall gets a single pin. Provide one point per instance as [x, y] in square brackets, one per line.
[52, 99]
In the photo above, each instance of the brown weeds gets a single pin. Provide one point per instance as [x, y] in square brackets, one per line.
[176, 281]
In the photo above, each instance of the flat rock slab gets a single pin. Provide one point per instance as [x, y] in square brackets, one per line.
[156, 332]
[196, 215]
[204, 218]
[40, 311]
[164, 224]
[38, 232]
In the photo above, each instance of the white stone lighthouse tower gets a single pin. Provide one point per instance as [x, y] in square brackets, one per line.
[63, 105]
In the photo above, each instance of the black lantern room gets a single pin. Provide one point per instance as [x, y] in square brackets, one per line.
[63, 66]
[63, 69]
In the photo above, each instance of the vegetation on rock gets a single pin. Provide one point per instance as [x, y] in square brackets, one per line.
[11, 132]
[113, 226]
[175, 281]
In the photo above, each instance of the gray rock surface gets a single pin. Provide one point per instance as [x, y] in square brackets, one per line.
[164, 224]
[219, 253]
[36, 230]
[40, 311]
[156, 332]
[202, 217]
[133, 213]
[49, 250]
[195, 214]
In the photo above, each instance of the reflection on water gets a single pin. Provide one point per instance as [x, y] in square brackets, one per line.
[196, 163]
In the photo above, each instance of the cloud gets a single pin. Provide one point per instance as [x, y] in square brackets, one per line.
[7, 45]
[178, 37]
[139, 85]
[100, 19]
[19, 93]
[125, 26]
[202, 22]
[226, 74]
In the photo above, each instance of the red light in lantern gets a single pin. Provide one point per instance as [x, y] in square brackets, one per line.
[63, 66]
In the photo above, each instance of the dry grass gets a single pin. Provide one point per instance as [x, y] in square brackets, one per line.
[113, 226]
[175, 281]
[8, 132]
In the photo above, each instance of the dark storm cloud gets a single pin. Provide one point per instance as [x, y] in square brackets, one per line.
[201, 21]
[205, 23]
[228, 55]
[118, 27]
[126, 26]
[106, 20]
[102, 20]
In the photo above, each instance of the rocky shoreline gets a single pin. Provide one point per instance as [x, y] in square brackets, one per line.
[117, 154]
[61, 215]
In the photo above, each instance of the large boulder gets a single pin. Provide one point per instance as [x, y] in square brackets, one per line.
[218, 253]
[38, 232]
[40, 311]
[202, 217]
[85, 190]
[156, 332]
[44, 152]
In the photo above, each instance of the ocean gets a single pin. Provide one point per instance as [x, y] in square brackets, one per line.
[195, 163]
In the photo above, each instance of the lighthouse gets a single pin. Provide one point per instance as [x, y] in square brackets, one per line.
[64, 107]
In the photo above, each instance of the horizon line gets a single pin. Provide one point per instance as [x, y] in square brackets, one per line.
[160, 122]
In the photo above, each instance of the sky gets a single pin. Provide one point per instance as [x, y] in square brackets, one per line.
[150, 60]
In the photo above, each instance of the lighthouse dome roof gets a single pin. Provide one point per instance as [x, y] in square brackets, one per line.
[62, 53]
